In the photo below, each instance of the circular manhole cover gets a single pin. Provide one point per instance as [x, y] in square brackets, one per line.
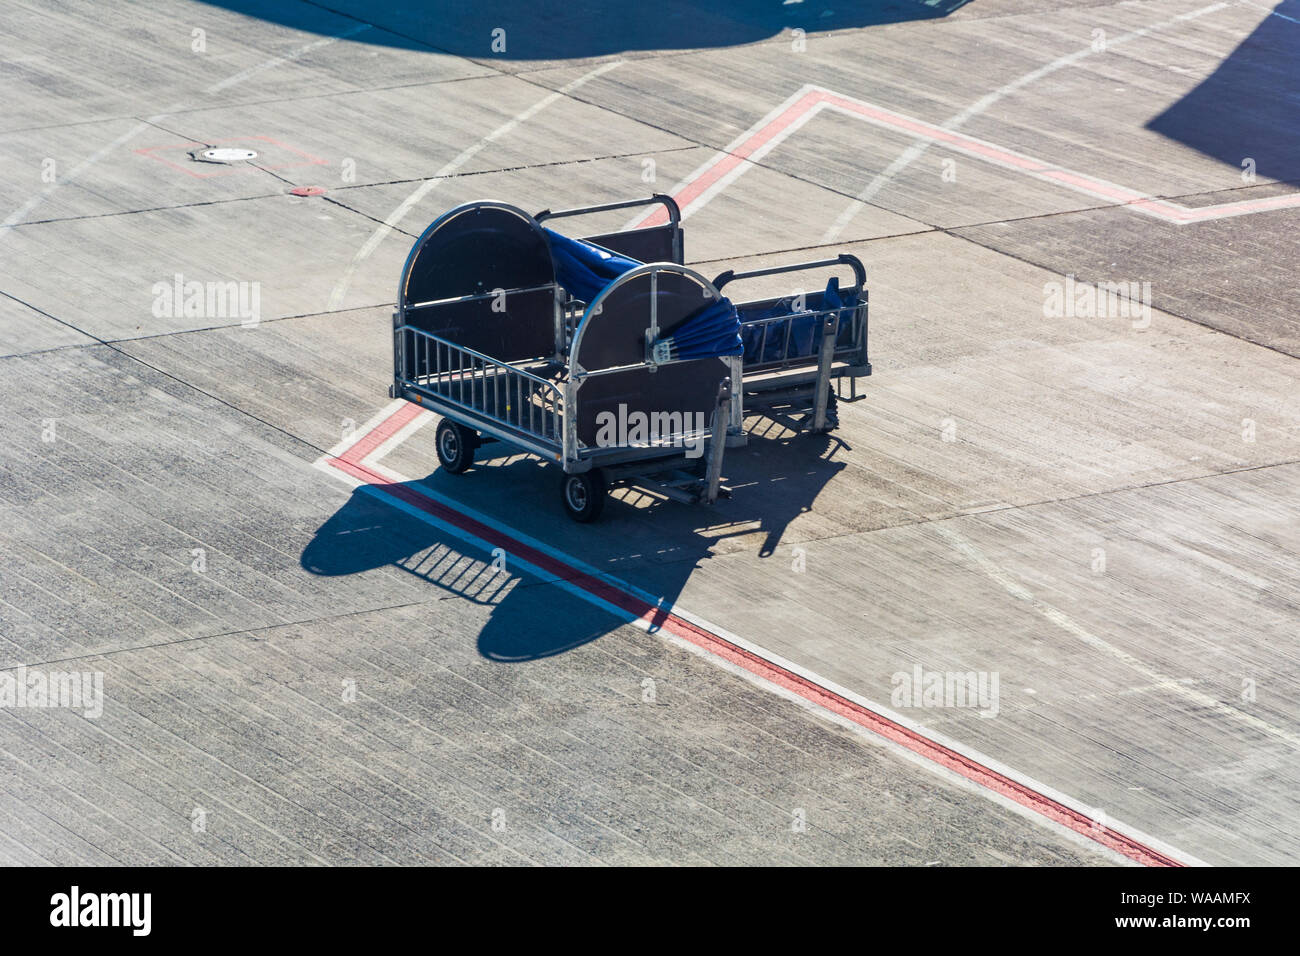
[224, 154]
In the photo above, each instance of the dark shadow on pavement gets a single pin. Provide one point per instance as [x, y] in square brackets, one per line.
[578, 29]
[654, 547]
[1249, 108]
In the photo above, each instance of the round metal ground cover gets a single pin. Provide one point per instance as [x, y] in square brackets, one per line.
[224, 154]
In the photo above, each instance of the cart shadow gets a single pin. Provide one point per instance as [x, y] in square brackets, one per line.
[517, 30]
[526, 622]
[652, 547]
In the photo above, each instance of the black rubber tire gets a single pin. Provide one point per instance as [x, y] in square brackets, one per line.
[455, 445]
[583, 496]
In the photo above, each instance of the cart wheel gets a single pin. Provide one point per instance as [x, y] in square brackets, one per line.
[583, 495]
[455, 444]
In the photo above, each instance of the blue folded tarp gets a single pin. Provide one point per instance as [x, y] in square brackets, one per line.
[713, 331]
[803, 329]
[584, 269]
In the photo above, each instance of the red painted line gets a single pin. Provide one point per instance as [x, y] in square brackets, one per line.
[152, 153]
[697, 187]
[1025, 796]
[731, 159]
[385, 430]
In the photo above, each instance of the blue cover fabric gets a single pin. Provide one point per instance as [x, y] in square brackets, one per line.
[712, 332]
[584, 269]
[803, 330]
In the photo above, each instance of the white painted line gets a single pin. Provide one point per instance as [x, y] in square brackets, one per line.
[406, 205]
[1105, 828]
[914, 152]
[1072, 627]
[287, 58]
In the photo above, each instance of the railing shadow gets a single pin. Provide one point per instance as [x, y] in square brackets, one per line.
[652, 546]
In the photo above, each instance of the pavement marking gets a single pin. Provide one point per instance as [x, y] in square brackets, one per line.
[287, 58]
[397, 215]
[1070, 626]
[152, 153]
[355, 461]
[743, 154]
[914, 152]
[1269, 11]
[44, 194]
[6, 227]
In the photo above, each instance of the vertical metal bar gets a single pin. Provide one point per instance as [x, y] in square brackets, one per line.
[717, 443]
[824, 358]
[654, 303]
[399, 351]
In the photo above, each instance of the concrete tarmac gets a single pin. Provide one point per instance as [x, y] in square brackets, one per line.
[1099, 509]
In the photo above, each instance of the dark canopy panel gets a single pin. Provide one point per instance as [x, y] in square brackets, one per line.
[616, 335]
[681, 389]
[475, 249]
[647, 244]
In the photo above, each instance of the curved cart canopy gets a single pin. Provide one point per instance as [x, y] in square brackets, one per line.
[488, 267]
[648, 304]
[612, 351]
[473, 249]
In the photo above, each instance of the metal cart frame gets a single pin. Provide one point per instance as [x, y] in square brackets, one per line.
[530, 386]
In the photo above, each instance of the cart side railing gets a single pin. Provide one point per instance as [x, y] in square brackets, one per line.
[776, 334]
[495, 397]
[647, 243]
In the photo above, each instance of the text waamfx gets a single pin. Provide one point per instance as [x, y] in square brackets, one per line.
[1217, 897]
[1098, 300]
[75, 908]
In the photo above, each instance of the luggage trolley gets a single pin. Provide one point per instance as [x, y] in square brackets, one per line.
[800, 349]
[607, 355]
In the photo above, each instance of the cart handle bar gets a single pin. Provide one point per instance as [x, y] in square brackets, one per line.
[674, 212]
[853, 262]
